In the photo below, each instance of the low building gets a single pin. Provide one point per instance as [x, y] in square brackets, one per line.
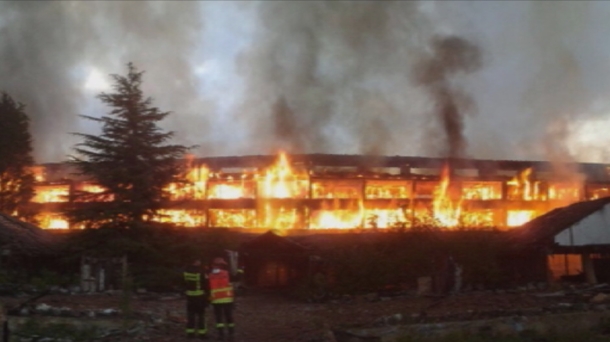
[22, 244]
[570, 243]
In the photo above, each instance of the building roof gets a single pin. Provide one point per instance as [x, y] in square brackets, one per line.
[546, 226]
[22, 238]
[271, 243]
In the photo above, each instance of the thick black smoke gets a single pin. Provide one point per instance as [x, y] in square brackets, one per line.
[450, 56]
[318, 72]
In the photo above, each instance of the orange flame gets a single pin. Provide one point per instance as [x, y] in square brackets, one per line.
[522, 187]
[445, 211]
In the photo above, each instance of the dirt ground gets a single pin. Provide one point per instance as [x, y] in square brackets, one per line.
[273, 317]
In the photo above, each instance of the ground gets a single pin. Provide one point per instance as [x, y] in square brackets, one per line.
[274, 317]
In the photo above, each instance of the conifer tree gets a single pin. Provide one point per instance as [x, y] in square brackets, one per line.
[16, 178]
[131, 159]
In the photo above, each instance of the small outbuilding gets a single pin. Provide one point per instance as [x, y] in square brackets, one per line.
[19, 238]
[273, 261]
[22, 245]
[569, 243]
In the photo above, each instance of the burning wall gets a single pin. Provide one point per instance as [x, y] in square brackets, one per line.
[322, 192]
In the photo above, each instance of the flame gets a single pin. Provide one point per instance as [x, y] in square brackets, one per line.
[599, 192]
[388, 189]
[230, 188]
[181, 217]
[564, 191]
[194, 188]
[52, 221]
[96, 189]
[445, 210]
[516, 218]
[39, 173]
[244, 218]
[482, 190]
[285, 196]
[386, 218]
[280, 181]
[51, 193]
[522, 187]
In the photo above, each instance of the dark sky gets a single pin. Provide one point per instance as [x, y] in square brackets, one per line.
[327, 77]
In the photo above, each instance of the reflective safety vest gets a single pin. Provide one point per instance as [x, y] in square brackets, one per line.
[193, 281]
[221, 290]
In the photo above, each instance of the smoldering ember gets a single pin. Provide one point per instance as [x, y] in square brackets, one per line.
[329, 171]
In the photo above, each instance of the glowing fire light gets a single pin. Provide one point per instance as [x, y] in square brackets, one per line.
[523, 188]
[336, 219]
[444, 209]
[280, 181]
[278, 196]
[51, 193]
[518, 217]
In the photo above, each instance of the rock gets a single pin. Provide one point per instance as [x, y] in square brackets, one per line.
[600, 298]
[43, 308]
[108, 312]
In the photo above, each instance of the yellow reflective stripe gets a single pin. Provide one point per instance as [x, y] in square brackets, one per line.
[192, 276]
[190, 330]
[220, 325]
[230, 288]
[222, 300]
[195, 293]
[202, 331]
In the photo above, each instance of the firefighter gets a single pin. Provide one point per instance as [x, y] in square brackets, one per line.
[222, 297]
[197, 291]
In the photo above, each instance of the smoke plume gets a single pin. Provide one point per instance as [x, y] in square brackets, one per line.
[366, 77]
[450, 56]
[322, 70]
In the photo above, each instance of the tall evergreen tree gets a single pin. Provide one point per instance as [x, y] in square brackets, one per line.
[16, 178]
[131, 159]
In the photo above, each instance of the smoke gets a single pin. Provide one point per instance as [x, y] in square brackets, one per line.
[50, 49]
[319, 75]
[366, 77]
[450, 56]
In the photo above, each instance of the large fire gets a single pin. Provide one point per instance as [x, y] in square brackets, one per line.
[293, 196]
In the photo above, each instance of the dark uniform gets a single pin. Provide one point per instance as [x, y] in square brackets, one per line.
[197, 292]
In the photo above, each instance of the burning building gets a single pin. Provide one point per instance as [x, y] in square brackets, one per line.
[322, 191]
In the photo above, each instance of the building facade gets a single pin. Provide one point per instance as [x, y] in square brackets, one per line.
[321, 191]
